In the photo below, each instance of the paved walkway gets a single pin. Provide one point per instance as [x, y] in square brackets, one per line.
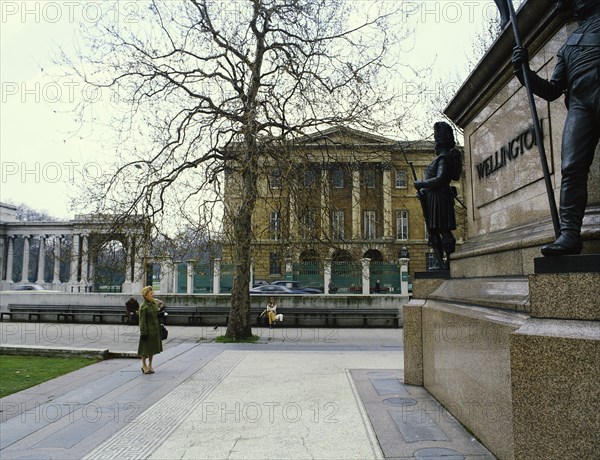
[296, 394]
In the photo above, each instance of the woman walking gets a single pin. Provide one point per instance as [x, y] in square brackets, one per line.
[150, 341]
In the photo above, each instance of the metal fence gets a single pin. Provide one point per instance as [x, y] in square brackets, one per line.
[388, 276]
[309, 274]
[182, 278]
[227, 272]
[346, 277]
[203, 279]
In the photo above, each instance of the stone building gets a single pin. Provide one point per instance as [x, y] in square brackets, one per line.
[344, 195]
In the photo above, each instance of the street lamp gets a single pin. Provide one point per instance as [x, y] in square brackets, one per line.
[404, 254]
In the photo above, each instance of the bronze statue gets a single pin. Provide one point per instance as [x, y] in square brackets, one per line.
[436, 195]
[577, 75]
[504, 13]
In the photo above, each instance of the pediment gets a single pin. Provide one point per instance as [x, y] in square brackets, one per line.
[340, 135]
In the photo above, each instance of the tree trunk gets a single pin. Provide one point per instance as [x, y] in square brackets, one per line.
[240, 322]
[240, 326]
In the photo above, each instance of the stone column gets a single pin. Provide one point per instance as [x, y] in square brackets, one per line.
[366, 287]
[325, 205]
[289, 269]
[175, 277]
[190, 276]
[25, 268]
[356, 233]
[56, 277]
[403, 276]
[127, 287]
[387, 204]
[217, 276]
[2, 257]
[41, 261]
[84, 262]
[166, 277]
[74, 278]
[137, 282]
[326, 275]
[128, 259]
[9, 259]
[91, 272]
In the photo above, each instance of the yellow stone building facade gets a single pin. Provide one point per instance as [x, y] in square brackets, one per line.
[340, 194]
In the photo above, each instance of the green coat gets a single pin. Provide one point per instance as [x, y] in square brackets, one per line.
[149, 326]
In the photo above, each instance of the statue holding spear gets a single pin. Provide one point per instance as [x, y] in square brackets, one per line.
[437, 196]
[577, 76]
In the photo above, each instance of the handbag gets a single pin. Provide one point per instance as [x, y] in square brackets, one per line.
[164, 333]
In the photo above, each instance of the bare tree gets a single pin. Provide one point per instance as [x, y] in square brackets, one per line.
[203, 90]
[27, 214]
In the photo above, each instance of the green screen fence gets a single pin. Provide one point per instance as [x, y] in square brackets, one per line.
[388, 276]
[203, 278]
[309, 274]
[227, 272]
[346, 277]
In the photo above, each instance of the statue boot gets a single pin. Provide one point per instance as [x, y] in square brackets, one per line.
[449, 243]
[573, 200]
[436, 242]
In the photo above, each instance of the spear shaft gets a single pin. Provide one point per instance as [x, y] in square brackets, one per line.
[536, 124]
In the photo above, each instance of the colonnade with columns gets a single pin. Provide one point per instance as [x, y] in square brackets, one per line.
[81, 267]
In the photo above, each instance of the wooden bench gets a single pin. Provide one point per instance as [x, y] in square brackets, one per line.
[99, 312]
[35, 311]
[366, 314]
[329, 316]
[66, 313]
[186, 312]
[197, 316]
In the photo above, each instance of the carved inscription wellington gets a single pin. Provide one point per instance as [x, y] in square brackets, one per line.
[509, 152]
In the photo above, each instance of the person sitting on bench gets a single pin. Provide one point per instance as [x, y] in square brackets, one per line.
[271, 312]
[133, 308]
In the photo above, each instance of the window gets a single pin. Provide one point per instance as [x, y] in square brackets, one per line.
[402, 225]
[275, 226]
[370, 179]
[401, 178]
[337, 225]
[337, 178]
[369, 225]
[274, 264]
[275, 179]
[309, 178]
[309, 224]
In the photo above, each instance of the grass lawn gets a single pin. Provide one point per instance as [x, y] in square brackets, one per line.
[20, 372]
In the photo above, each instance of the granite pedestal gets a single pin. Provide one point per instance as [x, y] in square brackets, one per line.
[494, 355]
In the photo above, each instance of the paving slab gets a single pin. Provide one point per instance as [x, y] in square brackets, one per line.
[296, 394]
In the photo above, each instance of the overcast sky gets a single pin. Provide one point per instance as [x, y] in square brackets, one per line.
[40, 158]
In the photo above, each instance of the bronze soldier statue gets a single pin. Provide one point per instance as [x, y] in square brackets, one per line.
[577, 75]
[504, 13]
[436, 195]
